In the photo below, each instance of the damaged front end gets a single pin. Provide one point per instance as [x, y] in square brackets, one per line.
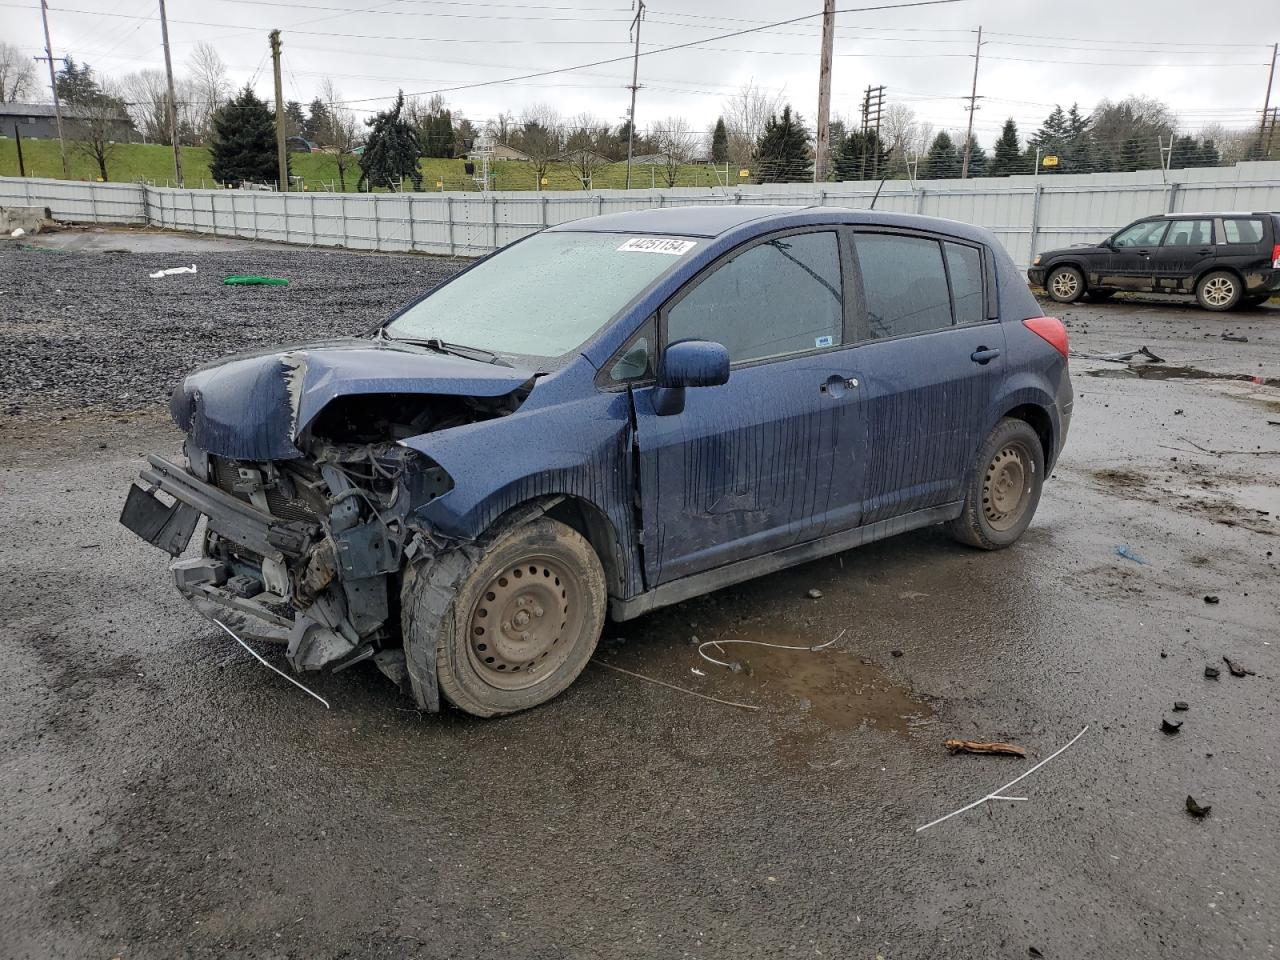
[311, 507]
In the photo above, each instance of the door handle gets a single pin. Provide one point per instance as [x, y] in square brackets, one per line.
[984, 355]
[835, 385]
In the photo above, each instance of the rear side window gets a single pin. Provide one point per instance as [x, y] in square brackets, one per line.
[779, 297]
[1242, 231]
[904, 284]
[1189, 233]
[964, 267]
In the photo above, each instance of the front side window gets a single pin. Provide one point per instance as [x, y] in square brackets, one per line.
[1146, 234]
[1242, 231]
[776, 298]
[904, 284]
[1189, 233]
[544, 296]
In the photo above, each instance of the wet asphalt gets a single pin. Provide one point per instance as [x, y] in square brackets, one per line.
[163, 795]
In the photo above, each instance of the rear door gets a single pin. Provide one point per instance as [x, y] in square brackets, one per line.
[931, 358]
[745, 467]
[1188, 248]
[1129, 265]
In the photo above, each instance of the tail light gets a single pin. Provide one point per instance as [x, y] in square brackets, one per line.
[1049, 329]
[1275, 257]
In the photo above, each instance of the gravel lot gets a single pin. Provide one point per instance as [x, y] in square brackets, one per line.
[90, 326]
[165, 796]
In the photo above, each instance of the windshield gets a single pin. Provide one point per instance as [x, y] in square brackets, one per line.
[544, 296]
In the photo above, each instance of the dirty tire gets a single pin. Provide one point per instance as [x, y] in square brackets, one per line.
[1219, 290]
[1099, 296]
[1065, 284]
[1003, 489]
[509, 621]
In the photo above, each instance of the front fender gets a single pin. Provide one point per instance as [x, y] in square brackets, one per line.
[579, 447]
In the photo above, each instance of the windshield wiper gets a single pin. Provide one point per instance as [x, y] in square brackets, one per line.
[457, 349]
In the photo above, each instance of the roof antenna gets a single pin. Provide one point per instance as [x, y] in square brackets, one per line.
[878, 189]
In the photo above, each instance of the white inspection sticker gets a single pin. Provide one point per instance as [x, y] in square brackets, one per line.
[667, 245]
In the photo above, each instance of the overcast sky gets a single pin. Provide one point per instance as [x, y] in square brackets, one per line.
[1207, 61]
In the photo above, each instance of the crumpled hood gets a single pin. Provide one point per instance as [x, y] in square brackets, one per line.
[255, 406]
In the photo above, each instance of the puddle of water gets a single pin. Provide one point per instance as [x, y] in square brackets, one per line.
[1164, 371]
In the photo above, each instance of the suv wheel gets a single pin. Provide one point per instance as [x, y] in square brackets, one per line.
[1003, 489]
[1218, 290]
[1065, 284]
[510, 622]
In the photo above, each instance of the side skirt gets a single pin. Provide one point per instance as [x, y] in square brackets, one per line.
[696, 585]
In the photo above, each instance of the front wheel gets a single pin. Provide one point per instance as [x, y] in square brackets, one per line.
[1219, 290]
[1003, 489]
[510, 622]
[1065, 284]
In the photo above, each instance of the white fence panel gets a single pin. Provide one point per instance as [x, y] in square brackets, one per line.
[1026, 213]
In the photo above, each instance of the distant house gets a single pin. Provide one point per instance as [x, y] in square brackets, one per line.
[38, 121]
[501, 151]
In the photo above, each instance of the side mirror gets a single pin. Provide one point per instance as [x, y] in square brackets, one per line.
[694, 363]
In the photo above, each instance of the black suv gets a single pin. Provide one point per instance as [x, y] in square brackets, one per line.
[1226, 259]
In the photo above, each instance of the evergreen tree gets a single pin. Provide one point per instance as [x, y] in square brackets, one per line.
[942, 162]
[244, 141]
[295, 121]
[436, 134]
[319, 125]
[782, 153]
[860, 155]
[978, 160]
[1008, 153]
[76, 84]
[720, 143]
[392, 149]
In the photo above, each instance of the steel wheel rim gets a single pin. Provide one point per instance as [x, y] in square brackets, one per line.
[1006, 487]
[525, 623]
[1219, 291]
[1065, 284]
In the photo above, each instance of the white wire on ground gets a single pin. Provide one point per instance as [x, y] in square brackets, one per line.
[997, 793]
[232, 634]
[672, 686]
[718, 644]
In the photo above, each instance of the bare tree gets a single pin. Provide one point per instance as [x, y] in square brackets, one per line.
[502, 127]
[17, 74]
[147, 93]
[540, 137]
[1233, 145]
[209, 88]
[898, 132]
[745, 114]
[585, 146]
[344, 131]
[100, 119]
[676, 143]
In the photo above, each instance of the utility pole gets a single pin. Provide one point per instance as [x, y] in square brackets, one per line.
[53, 87]
[282, 158]
[822, 146]
[635, 85]
[973, 106]
[173, 99]
[1266, 103]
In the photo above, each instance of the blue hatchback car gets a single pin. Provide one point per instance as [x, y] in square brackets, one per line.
[609, 416]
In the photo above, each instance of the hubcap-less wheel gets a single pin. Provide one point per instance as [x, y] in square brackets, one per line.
[1065, 285]
[522, 626]
[1218, 291]
[1006, 487]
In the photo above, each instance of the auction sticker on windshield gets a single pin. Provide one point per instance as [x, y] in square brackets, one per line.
[665, 245]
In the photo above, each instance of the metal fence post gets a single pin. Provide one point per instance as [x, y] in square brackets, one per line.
[213, 215]
[235, 222]
[342, 214]
[920, 201]
[377, 222]
[1173, 197]
[543, 205]
[253, 212]
[314, 236]
[146, 204]
[599, 204]
[284, 202]
[448, 224]
[1035, 220]
[493, 221]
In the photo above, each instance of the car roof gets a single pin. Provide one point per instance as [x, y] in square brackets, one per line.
[722, 218]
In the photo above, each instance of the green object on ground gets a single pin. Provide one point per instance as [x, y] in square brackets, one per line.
[251, 281]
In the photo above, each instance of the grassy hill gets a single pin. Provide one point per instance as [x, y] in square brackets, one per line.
[154, 163]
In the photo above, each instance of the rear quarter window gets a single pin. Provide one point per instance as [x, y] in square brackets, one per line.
[1242, 230]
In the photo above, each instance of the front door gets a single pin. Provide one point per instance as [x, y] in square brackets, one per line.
[1187, 245]
[746, 467]
[1129, 265]
[932, 359]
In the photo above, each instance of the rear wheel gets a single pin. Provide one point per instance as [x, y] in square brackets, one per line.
[1219, 290]
[1003, 489]
[1065, 284]
[512, 622]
